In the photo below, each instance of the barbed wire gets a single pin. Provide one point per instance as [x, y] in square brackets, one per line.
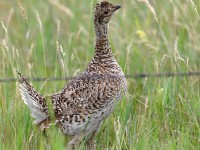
[133, 76]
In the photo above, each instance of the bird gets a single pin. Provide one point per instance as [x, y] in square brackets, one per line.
[89, 98]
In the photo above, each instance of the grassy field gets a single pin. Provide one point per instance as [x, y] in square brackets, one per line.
[56, 39]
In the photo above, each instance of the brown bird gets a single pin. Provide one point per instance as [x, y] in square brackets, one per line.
[81, 106]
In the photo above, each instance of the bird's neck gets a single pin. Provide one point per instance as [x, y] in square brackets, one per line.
[102, 49]
[102, 45]
[101, 31]
[103, 61]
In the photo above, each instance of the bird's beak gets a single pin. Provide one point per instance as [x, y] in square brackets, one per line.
[116, 7]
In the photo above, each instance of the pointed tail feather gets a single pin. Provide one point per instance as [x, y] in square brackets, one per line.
[34, 100]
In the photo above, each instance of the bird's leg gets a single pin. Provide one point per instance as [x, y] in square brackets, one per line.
[44, 132]
[75, 141]
[91, 144]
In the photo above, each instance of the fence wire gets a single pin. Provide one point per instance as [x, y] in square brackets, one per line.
[133, 76]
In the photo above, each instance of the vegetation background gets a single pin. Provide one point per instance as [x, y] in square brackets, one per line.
[52, 38]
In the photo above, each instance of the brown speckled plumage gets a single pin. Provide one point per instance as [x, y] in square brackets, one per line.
[87, 99]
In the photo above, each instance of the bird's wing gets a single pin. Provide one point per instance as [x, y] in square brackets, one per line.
[81, 97]
[81, 93]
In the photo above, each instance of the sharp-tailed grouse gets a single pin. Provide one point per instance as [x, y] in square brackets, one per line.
[80, 107]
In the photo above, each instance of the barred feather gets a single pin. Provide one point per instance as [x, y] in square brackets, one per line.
[34, 100]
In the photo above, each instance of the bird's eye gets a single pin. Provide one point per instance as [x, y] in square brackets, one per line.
[105, 12]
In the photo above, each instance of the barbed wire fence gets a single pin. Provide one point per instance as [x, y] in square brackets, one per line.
[133, 76]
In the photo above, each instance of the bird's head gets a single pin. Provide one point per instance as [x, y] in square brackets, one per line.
[103, 12]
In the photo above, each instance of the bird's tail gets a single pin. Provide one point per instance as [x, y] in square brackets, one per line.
[34, 100]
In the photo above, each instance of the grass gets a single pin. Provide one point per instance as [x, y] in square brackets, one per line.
[51, 39]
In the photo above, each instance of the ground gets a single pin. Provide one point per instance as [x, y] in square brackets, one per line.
[56, 39]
